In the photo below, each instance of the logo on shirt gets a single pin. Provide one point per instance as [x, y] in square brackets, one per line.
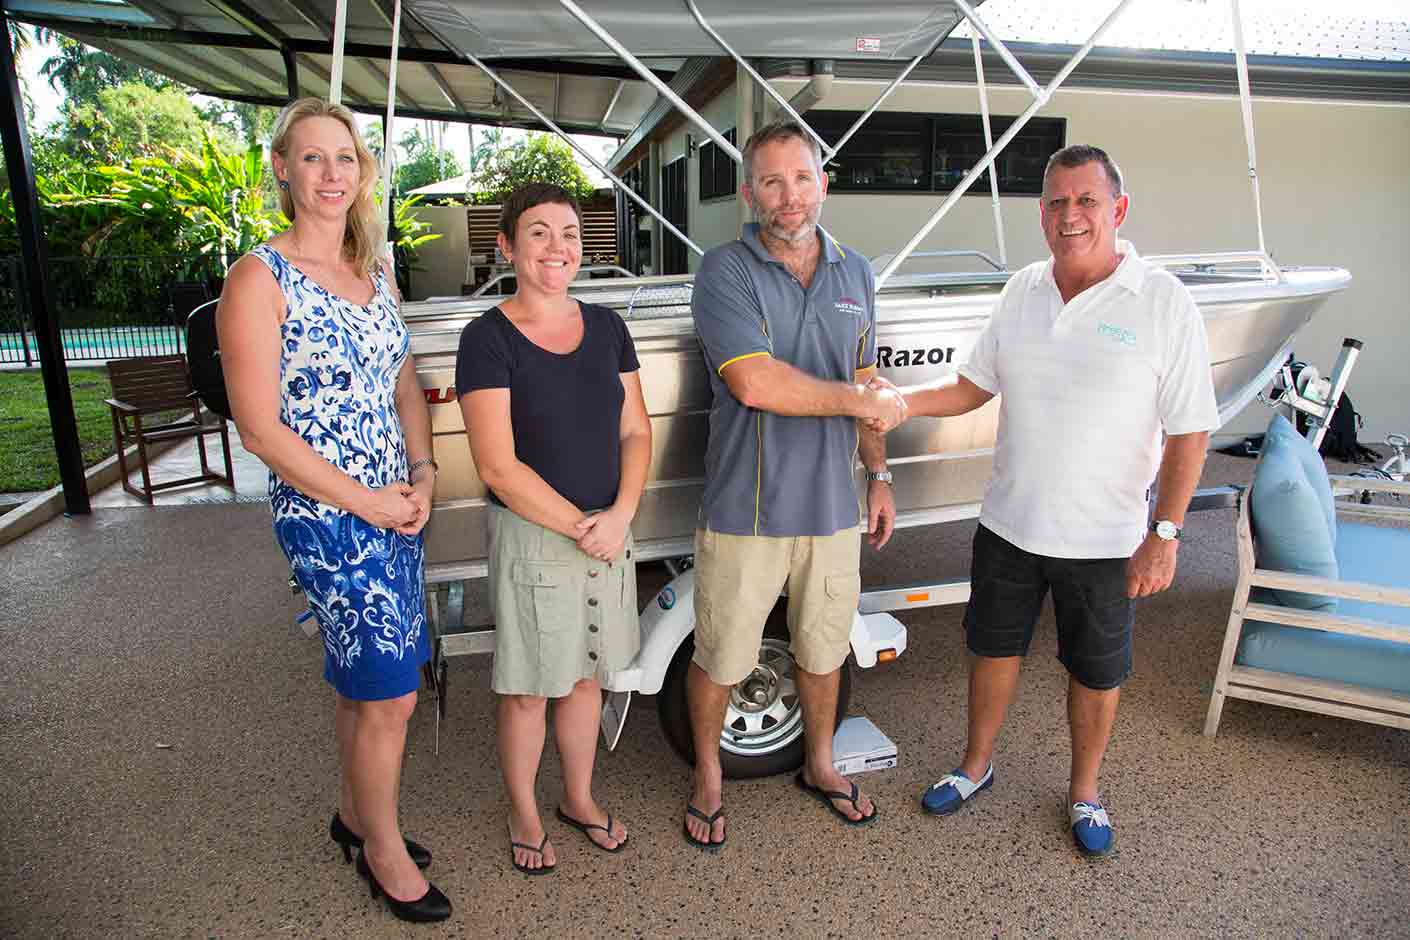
[849, 305]
[1118, 333]
[666, 599]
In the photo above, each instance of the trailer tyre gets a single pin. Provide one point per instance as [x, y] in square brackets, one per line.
[763, 733]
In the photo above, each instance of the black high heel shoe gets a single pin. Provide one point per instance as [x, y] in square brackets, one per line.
[430, 907]
[349, 840]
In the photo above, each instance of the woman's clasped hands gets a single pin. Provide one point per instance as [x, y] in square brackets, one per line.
[603, 535]
[399, 506]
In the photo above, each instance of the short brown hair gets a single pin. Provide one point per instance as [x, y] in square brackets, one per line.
[777, 130]
[1075, 155]
[529, 195]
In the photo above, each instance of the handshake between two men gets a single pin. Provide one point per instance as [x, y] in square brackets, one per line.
[886, 405]
[889, 406]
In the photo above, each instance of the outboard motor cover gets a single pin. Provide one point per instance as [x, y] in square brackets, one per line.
[203, 359]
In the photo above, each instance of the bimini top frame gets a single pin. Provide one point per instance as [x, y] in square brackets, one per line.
[442, 19]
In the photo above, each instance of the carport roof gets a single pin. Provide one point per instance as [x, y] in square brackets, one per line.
[236, 49]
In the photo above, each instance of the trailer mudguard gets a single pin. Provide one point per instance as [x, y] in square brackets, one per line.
[670, 616]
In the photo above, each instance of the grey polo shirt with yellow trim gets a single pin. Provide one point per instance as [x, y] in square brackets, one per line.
[768, 474]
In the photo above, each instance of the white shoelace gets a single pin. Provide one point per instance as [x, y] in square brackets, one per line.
[962, 784]
[1093, 814]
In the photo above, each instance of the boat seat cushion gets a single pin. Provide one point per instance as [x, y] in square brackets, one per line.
[1365, 553]
[1293, 516]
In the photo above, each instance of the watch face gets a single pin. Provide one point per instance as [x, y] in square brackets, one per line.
[1166, 529]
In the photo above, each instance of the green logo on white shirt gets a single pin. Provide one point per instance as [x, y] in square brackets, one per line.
[1119, 333]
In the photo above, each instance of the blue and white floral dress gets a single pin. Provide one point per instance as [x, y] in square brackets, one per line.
[338, 369]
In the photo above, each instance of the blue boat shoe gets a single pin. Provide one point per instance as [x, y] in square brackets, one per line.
[1091, 829]
[952, 791]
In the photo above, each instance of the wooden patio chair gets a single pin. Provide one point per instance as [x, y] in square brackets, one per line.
[1327, 661]
[159, 385]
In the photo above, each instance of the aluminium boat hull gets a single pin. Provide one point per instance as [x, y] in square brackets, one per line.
[926, 326]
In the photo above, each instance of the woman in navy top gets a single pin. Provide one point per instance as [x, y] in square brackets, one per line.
[560, 436]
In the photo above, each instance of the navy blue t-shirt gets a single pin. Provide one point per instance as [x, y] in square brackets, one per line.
[566, 409]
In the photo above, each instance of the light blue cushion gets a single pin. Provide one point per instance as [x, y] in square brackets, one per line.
[1293, 515]
[1368, 554]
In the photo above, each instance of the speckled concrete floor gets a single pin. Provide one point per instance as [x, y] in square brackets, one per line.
[137, 628]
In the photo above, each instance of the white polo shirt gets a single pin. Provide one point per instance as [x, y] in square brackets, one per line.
[1086, 390]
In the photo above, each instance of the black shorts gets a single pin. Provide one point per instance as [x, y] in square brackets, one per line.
[1094, 615]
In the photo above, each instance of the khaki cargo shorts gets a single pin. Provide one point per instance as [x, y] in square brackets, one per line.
[738, 579]
[560, 616]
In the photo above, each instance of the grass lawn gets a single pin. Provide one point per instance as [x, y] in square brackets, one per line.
[27, 459]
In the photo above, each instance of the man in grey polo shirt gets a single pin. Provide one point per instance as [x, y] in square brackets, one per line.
[786, 318]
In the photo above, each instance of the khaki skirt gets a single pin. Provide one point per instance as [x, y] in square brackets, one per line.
[560, 616]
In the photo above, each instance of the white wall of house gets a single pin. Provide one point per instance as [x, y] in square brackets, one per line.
[1336, 191]
[440, 264]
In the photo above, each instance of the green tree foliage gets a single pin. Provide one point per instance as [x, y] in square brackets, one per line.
[425, 163]
[133, 120]
[540, 158]
[252, 124]
[82, 72]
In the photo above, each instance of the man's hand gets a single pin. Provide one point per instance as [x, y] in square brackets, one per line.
[886, 407]
[1151, 569]
[881, 514]
[603, 535]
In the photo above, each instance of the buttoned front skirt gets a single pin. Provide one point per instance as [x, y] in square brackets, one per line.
[560, 616]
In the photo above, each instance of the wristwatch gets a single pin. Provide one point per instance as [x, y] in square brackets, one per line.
[881, 476]
[1165, 530]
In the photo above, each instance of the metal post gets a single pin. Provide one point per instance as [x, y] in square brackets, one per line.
[988, 159]
[388, 152]
[291, 71]
[758, 79]
[885, 93]
[20, 164]
[340, 31]
[989, 142]
[582, 151]
[1014, 65]
[1246, 109]
[650, 78]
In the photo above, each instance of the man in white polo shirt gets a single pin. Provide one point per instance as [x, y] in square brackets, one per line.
[1096, 355]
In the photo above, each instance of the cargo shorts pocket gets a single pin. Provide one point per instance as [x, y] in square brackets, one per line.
[843, 592]
[542, 588]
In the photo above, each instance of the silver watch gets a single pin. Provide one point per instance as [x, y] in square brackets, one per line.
[881, 476]
[1165, 530]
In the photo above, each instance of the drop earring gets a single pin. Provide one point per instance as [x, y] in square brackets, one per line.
[284, 185]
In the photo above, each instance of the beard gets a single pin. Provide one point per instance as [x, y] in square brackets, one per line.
[804, 230]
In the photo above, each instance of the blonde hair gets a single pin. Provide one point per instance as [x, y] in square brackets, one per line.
[363, 238]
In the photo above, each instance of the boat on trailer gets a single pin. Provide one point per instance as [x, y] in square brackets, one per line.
[926, 324]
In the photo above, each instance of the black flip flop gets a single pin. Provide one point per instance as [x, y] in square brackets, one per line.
[542, 870]
[585, 828]
[827, 796]
[708, 821]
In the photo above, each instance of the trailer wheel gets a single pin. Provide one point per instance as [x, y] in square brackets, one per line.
[763, 733]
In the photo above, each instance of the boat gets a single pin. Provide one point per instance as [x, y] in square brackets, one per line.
[926, 325]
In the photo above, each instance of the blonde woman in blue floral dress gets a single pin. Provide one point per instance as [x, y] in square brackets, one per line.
[324, 392]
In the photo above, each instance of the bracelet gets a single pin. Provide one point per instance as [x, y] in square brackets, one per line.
[423, 462]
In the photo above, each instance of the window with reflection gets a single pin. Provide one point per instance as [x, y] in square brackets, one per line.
[931, 153]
